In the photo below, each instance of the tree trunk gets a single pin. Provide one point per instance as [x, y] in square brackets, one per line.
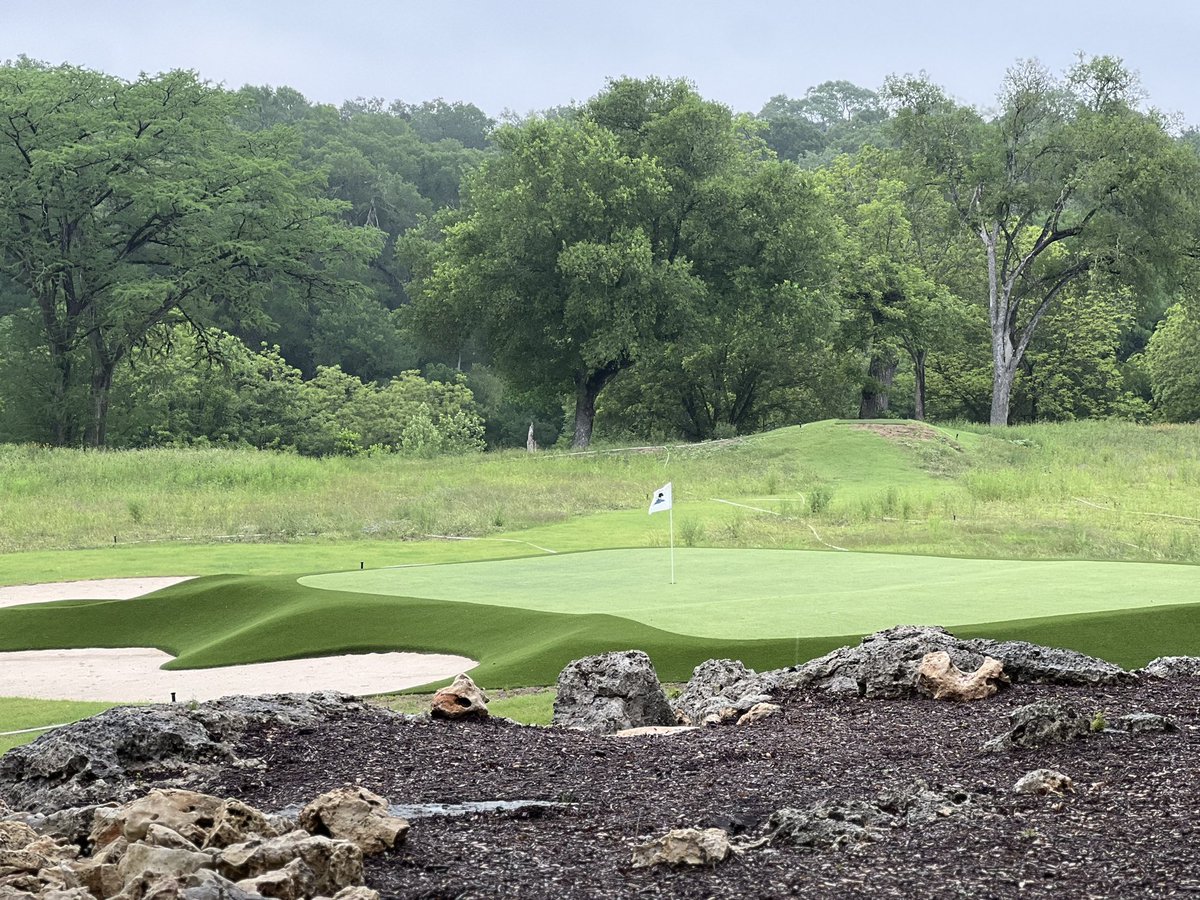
[1003, 378]
[60, 405]
[880, 374]
[919, 385]
[587, 388]
[101, 390]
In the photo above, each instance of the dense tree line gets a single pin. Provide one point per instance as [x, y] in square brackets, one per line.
[184, 263]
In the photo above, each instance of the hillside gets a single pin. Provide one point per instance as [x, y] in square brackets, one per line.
[1086, 490]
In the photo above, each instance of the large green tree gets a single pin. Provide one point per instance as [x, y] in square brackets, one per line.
[1066, 178]
[551, 264]
[129, 205]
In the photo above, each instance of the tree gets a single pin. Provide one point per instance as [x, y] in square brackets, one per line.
[902, 256]
[1067, 178]
[132, 205]
[550, 261]
[438, 120]
[763, 243]
[1175, 365]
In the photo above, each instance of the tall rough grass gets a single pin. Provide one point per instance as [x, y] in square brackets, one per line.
[1101, 490]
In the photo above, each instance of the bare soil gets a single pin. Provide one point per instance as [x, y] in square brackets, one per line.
[1129, 830]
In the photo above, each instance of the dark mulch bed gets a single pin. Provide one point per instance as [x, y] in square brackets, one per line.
[1129, 831]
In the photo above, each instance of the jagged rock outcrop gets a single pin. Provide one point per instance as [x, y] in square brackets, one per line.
[105, 757]
[460, 700]
[611, 692]
[1172, 667]
[1141, 723]
[171, 844]
[884, 665]
[1032, 663]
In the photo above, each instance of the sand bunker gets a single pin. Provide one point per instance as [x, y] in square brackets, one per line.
[133, 674]
[99, 589]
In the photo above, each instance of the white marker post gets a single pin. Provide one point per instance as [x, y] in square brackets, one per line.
[661, 501]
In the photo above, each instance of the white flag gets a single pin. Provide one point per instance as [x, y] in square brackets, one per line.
[662, 499]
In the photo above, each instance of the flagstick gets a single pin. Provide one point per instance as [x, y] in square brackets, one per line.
[671, 518]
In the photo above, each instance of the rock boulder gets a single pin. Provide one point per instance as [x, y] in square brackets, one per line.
[1173, 667]
[1041, 724]
[611, 692]
[357, 815]
[461, 700]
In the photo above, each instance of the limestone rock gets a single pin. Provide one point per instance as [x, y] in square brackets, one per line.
[610, 692]
[1044, 781]
[717, 685]
[1032, 663]
[208, 885]
[1041, 724]
[644, 730]
[828, 824]
[293, 882]
[109, 756]
[758, 712]
[237, 822]
[940, 678]
[1142, 722]
[147, 863]
[162, 836]
[919, 804]
[841, 824]
[335, 863]
[73, 825]
[1172, 667]
[356, 892]
[189, 813]
[461, 700]
[355, 814]
[34, 855]
[684, 847]
[16, 836]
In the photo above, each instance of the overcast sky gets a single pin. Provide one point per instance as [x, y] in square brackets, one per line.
[531, 54]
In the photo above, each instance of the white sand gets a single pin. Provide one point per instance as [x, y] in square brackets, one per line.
[133, 673]
[99, 589]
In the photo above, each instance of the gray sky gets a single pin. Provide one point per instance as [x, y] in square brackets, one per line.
[530, 54]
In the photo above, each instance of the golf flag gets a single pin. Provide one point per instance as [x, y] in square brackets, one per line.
[662, 499]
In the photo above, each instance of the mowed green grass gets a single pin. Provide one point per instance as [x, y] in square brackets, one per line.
[757, 594]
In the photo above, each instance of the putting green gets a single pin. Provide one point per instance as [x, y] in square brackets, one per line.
[749, 594]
